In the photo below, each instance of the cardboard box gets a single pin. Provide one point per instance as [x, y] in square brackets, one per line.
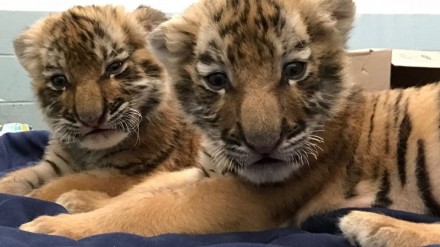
[381, 69]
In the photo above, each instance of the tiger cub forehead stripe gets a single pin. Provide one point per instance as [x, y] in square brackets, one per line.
[259, 14]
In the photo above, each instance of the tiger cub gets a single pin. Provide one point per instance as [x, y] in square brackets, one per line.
[104, 96]
[267, 82]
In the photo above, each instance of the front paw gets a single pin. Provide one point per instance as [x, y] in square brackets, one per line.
[60, 225]
[45, 224]
[79, 201]
[370, 229]
[14, 186]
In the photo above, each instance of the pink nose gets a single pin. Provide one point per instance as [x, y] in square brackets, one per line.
[93, 122]
[265, 149]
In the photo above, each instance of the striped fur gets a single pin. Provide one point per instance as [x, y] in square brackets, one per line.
[111, 126]
[299, 143]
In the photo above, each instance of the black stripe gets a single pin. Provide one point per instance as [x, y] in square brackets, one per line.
[397, 108]
[387, 136]
[62, 158]
[402, 146]
[205, 172]
[207, 154]
[31, 185]
[376, 99]
[386, 106]
[54, 167]
[151, 104]
[151, 68]
[376, 168]
[423, 181]
[206, 58]
[382, 199]
[353, 173]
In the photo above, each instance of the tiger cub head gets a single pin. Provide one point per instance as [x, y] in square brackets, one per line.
[259, 77]
[92, 73]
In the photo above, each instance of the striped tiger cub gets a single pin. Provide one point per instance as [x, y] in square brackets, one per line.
[104, 96]
[267, 83]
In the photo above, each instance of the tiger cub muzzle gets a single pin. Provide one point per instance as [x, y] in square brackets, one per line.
[269, 156]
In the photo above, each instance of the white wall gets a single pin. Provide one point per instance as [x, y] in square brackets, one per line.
[176, 6]
[398, 6]
[168, 6]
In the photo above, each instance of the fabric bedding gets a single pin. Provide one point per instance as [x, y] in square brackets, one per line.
[25, 148]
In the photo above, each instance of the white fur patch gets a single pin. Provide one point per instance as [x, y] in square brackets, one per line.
[273, 173]
[206, 69]
[299, 55]
[103, 140]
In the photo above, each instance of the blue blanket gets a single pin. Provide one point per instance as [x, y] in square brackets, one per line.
[21, 149]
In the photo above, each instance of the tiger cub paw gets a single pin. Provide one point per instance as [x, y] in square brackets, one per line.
[71, 226]
[14, 186]
[80, 201]
[370, 229]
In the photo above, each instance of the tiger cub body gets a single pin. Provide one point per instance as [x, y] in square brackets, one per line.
[104, 95]
[267, 83]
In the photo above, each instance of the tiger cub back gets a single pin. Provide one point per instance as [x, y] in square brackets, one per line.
[106, 99]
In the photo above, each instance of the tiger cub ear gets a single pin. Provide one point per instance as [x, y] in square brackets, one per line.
[343, 12]
[330, 14]
[23, 47]
[148, 17]
[173, 41]
[27, 44]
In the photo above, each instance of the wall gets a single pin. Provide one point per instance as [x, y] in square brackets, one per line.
[399, 31]
[16, 99]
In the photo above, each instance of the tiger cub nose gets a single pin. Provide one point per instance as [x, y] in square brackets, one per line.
[264, 148]
[92, 121]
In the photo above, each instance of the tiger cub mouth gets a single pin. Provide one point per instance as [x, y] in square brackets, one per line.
[102, 138]
[99, 132]
[267, 161]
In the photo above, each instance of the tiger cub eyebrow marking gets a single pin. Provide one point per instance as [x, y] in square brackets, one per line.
[303, 54]
[206, 58]
[205, 69]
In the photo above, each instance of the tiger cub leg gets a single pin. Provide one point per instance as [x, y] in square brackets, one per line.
[370, 229]
[76, 201]
[80, 201]
[108, 181]
[24, 180]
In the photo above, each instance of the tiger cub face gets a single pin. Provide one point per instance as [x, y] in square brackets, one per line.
[259, 77]
[92, 74]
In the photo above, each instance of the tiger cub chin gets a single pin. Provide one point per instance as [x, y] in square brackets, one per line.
[105, 97]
